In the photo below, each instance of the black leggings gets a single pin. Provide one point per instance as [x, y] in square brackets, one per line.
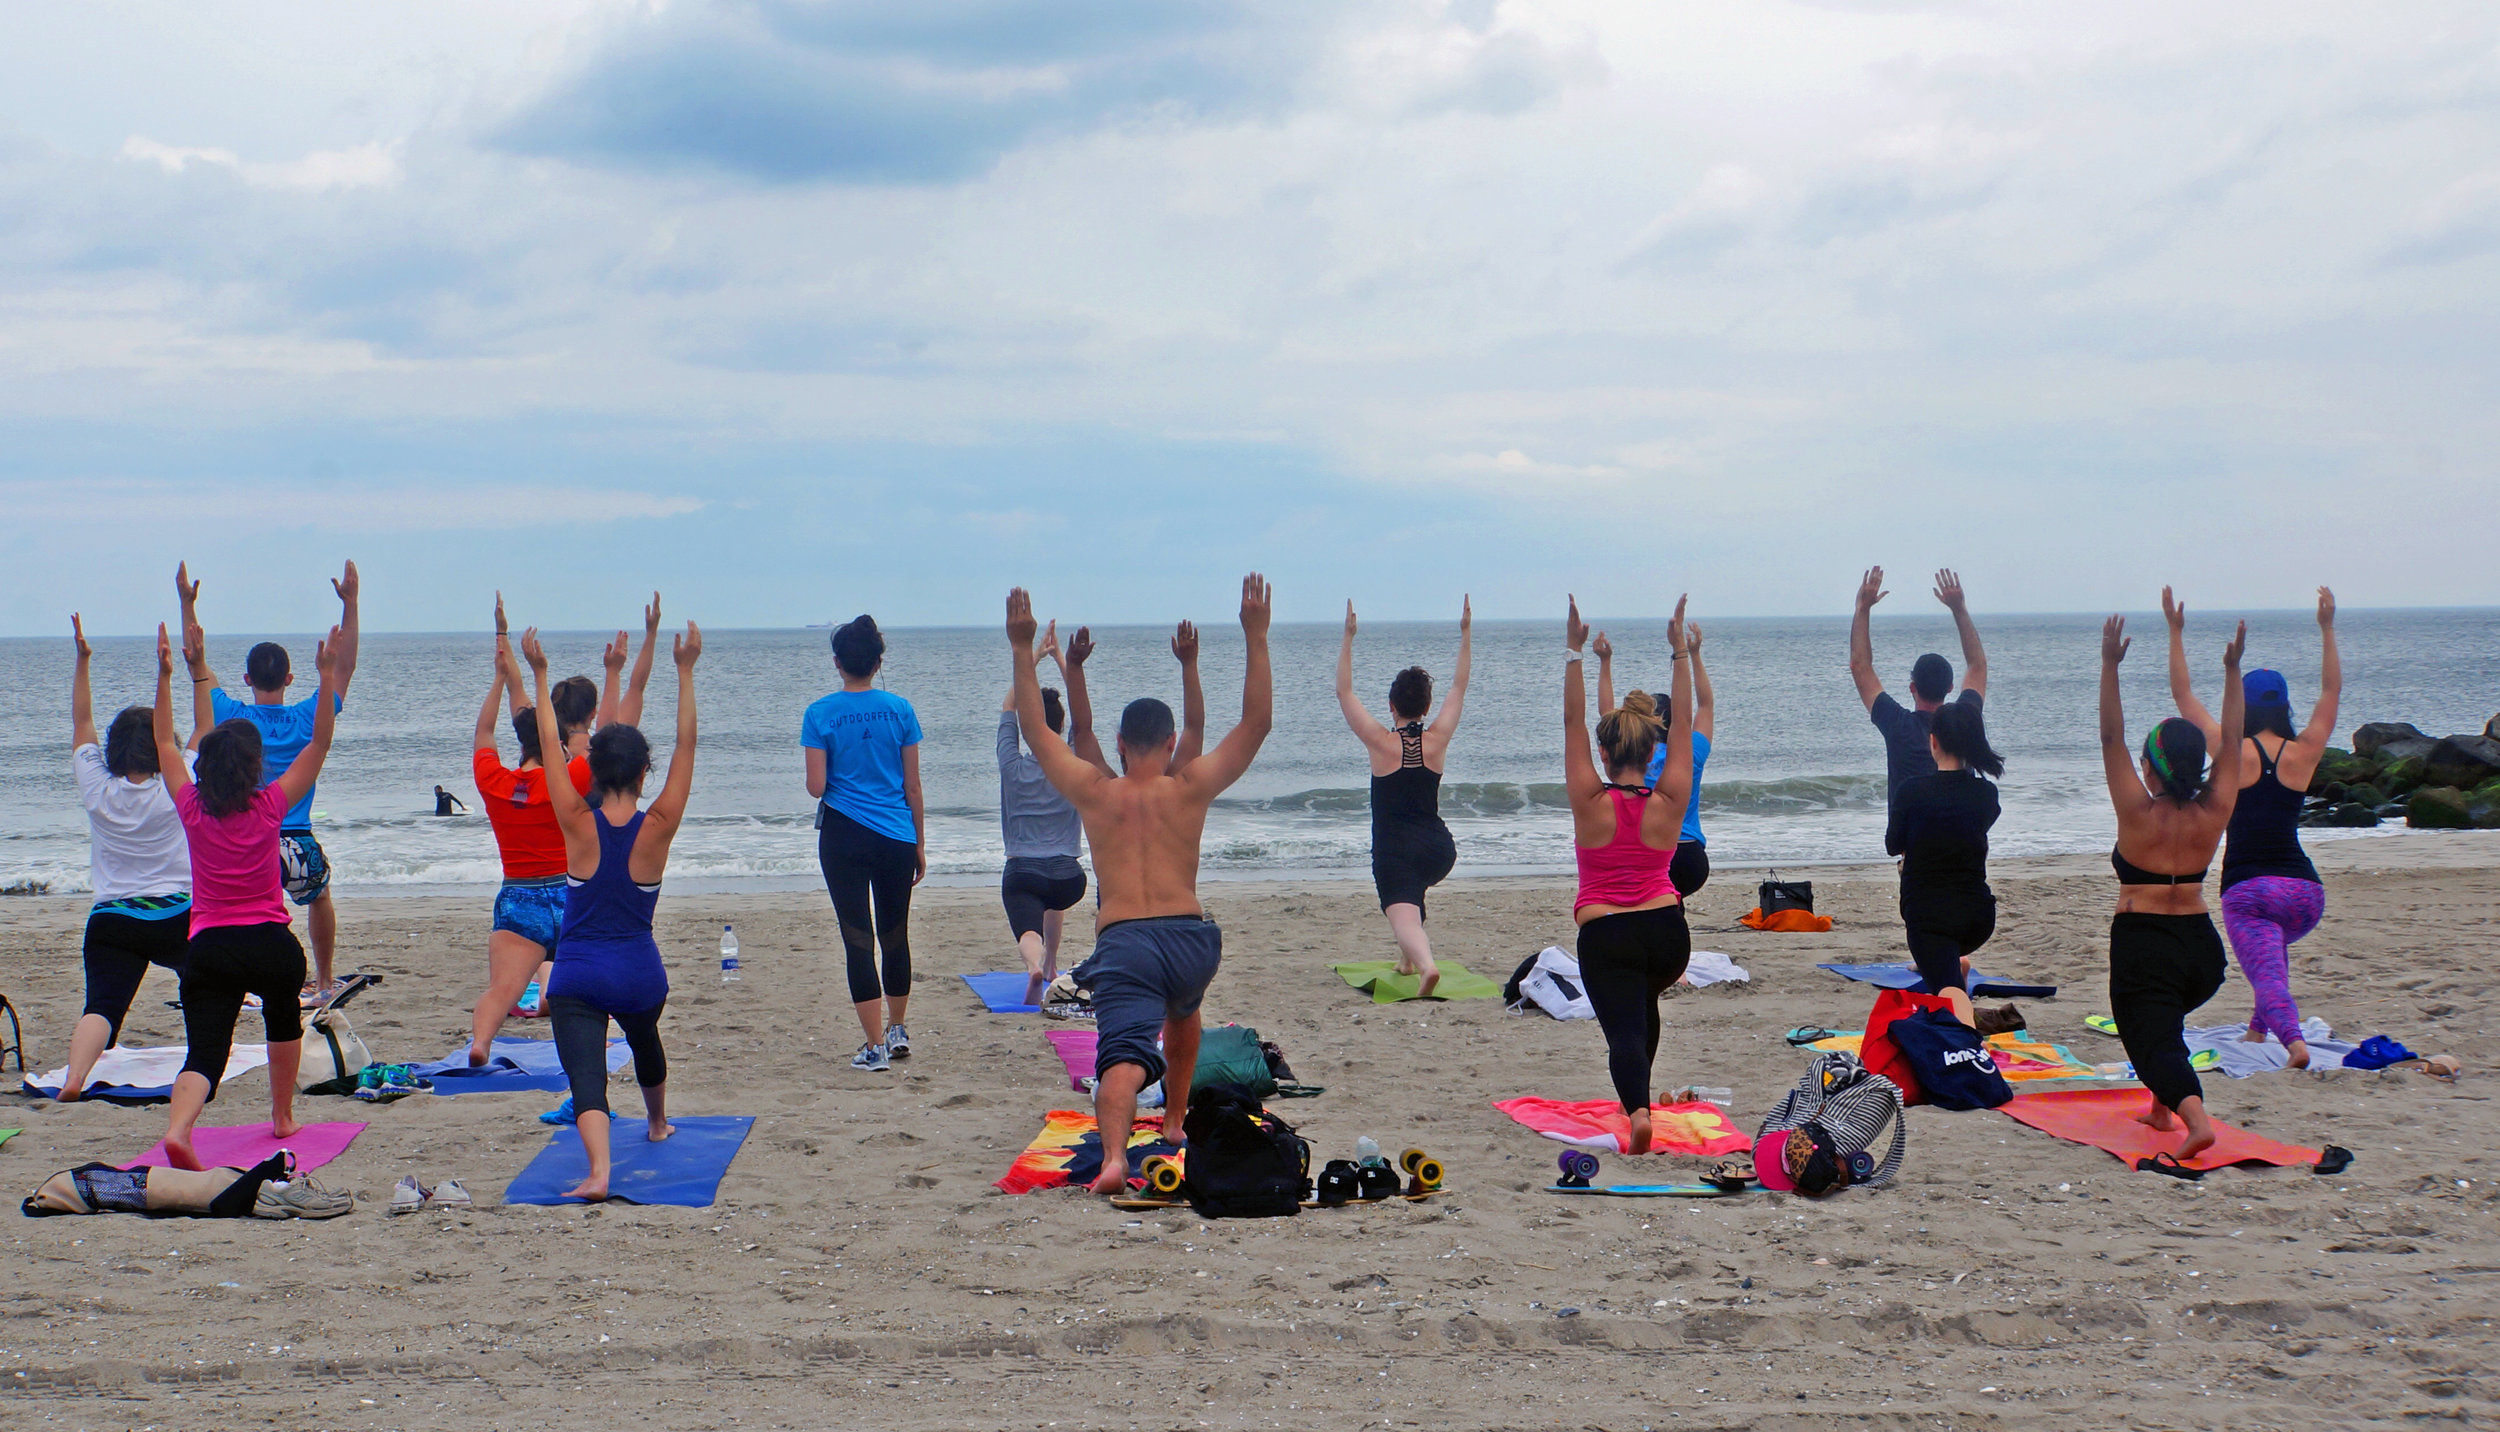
[861, 865]
[226, 963]
[581, 1031]
[119, 950]
[2162, 967]
[1627, 961]
[1943, 926]
[1690, 870]
[1030, 893]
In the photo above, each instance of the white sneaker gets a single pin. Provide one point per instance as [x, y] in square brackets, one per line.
[871, 1059]
[407, 1196]
[897, 1041]
[451, 1195]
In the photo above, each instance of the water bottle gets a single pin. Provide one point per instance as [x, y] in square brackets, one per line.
[1367, 1151]
[1704, 1094]
[728, 955]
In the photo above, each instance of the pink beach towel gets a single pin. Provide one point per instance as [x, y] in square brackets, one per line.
[1694, 1129]
[314, 1145]
[2105, 1119]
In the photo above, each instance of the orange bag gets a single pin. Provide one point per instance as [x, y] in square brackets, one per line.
[1792, 922]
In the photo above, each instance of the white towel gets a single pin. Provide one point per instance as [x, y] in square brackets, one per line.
[148, 1067]
[1709, 967]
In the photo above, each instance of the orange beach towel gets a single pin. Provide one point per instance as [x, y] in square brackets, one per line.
[1792, 922]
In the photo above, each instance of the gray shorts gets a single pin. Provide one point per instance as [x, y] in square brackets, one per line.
[1143, 972]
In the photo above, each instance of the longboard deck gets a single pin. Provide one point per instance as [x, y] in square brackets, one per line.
[1652, 1190]
[1150, 1204]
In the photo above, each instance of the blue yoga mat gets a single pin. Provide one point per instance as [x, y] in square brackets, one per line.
[103, 1093]
[1906, 977]
[685, 1169]
[516, 1066]
[1003, 992]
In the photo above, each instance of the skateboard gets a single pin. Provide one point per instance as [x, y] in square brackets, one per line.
[1163, 1176]
[1148, 1203]
[1579, 1166]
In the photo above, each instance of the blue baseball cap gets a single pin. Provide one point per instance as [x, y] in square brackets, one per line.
[2264, 687]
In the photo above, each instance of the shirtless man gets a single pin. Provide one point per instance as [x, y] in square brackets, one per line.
[1155, 950]
[1193, 738]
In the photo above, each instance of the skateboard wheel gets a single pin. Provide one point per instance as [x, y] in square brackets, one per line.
[1163, 1176]
[1409, 1159]
[1426, 1171]
[1578, 1164]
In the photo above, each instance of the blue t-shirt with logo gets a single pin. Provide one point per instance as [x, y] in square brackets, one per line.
[1692, 804]
[862, 734]
[284, 733]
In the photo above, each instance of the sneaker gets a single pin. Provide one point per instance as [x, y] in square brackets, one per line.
[452, 1196]
[302, 1198]
[408, 1195]
[897, 1041]
[871, 1059]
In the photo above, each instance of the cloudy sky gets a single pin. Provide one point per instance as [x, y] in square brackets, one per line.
[803, 307]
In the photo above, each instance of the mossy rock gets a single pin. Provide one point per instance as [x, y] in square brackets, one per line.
[2438, 808]
[2484, 811]
[2349, 815]
[2367, 794]
[2400, 776]
[2340, 768]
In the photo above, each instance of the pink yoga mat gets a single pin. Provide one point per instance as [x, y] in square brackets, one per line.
[2105, 1119]
[1076, 1050]
[314, 1145]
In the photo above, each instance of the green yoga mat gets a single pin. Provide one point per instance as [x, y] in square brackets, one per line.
[1380, 979]
[8, 1134]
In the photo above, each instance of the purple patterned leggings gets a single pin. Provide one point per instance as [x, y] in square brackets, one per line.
[2264, 917]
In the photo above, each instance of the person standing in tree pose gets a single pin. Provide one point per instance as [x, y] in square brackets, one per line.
[139, 862]
[1155, 950]
[2271, 894]
[863, 765]
[285, 729]
[607, 965]
[1691, 869]
[2165, 960]
[1931, 679]
[1044, 836]
[1411, 846]
[1633, 940]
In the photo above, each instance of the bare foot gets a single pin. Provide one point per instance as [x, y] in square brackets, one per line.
[2196, 1142]
[178, 1153]
[477, 1057]
[1641, 1134]
[2299, 1051]
[2254, 1036]
[593, 1189]
[1034, 984]
[68, 1094]
[2158, 1118]
[1114, 1179]
[660, 1129]
[1432, 977]
[286, 1128]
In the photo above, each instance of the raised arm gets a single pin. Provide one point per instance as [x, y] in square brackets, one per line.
[668, 809]
[195, 655]
[2321, 727]
[1974, 656]
[581, 837]
[2222, 792]
[1193, 737]
[2126, 789]
[484, 738]
[81, 700]
[1070, 774]
[1580, 775]
[1604, 651]
[1445, 725]
[611, 665]
[1365, 726]
[1862, 637]
[333, 659]
[1662, 820]
[168, 750]
[629, 710]
[1207, 776]
[1705, 706]
[2183, 686]
[1081, 738]
[350, 629]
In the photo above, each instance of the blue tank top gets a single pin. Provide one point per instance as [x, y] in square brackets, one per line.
[2265, 828]
[605, 955]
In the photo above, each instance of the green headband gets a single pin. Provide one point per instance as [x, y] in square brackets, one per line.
[2154, 753]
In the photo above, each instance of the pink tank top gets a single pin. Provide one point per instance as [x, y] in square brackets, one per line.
[1624, 871]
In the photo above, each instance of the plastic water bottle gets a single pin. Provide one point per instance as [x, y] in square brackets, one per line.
[728, 955]
[1367, 1151]
[1704, 1094]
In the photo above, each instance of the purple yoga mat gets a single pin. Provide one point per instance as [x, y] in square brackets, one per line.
[1076, 1050]
[314, 1145]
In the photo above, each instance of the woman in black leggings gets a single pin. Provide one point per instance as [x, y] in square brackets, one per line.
[863, 765]
[2165, 958]
[1939, 827]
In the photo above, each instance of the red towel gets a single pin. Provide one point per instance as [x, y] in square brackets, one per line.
[2105, 1119]
[1602, 1124]
[1877, 1051]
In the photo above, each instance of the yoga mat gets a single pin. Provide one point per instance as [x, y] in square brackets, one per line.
[1003, 992]
[314, 1145]
[142, 1074]
[1901, 976]
[683, 1169]
[2105, 1119]
[1601, 1124]
[1069, 1151]
[1075, 1048]
[8, 1134]
[514, 1066]
[1380, 979]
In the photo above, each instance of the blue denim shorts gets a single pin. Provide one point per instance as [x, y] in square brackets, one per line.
[532, 909]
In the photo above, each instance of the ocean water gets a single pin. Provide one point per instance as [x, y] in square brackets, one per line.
[1796, 777]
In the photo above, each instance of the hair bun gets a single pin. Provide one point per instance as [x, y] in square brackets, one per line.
[1641, 704]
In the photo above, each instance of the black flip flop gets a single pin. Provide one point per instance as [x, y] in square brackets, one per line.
[2333, 1159]
[2168, 1165]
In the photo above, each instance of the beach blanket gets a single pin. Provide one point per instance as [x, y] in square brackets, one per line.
[242, 1147]
[1905, 976]
[1787, 922]
[514, 1066]
[1380, 979]
[1699, 1129]
[2239, 1058]
[2105, 1119]
[142, 1074]
[1068, 1151]
[1709, 967]
[684, 1169]
[1003, 992]
[2017, 1058]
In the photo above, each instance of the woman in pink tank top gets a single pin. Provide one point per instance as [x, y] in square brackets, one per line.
[1633, 942]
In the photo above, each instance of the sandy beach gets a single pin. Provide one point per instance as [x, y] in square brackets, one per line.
[859, 1269]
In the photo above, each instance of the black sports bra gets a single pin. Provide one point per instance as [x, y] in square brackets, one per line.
[2130, 873]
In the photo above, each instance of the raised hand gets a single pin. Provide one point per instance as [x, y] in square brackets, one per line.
[2114, 641]
[1080, 646]
[326, 653]
[78, 638]
[2173, 611]
[1466, 612]
[1185, 642]
[345, 584]
[1020, 624]
[687, 646]
[1575, 631]
[651, 616]
[1258, 597]
[186, 591]
[1349, 618]
[1604, 649]
[2231, 653]
[1048, 643]
[194, 645]
[2326, 607]
[1871, 588]
[502, 627]
[612, 656]
[1692, 637]
[532, 652]
[1675, 629]
[164, 652]
[1949, 589]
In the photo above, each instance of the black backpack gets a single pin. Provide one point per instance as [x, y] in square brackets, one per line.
[1243, 1162]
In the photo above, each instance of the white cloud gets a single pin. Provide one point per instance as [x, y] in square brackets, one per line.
[364, 166]
[220, 506]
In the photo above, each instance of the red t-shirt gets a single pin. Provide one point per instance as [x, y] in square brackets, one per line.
[524, 820]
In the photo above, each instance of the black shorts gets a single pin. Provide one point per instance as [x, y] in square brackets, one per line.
[1034, 886]
[1943, 927]
[1690, 870]
[1409, 858]
[228, 962]
[119, 949]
